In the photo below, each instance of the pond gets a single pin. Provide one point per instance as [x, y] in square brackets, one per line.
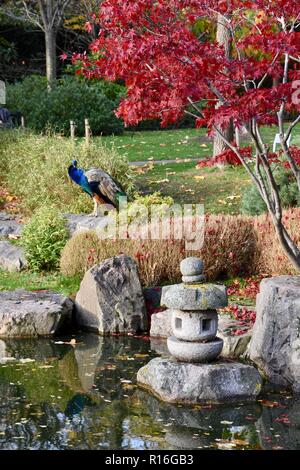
[56, 395]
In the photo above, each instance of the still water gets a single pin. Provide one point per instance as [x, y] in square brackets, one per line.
[84, 396]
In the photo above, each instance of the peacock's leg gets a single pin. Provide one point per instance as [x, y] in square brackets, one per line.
[95, 213]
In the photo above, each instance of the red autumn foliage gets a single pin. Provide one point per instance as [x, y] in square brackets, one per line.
[152, 46]
[228, 157]
[245, 318]
[169, 69]
[250, 288]
[295, 152]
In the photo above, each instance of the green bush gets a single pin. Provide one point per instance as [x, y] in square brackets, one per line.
[152, 199]
[71, 99]
[43, 239]
[35, 168]
[253, 204]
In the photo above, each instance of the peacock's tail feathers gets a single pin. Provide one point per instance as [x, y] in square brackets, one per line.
[105, 185]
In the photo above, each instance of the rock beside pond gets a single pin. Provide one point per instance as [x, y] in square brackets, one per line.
[12, 257]
[217, 383]
[275, 344]
[110, 299]
[234, 346]
[9, 226]
[33, 314]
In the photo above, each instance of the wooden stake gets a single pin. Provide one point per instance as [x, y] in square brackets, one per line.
[22, 122]
[72, 130]
[87, 131]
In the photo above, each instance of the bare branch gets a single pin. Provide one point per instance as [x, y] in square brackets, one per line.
[291, 127]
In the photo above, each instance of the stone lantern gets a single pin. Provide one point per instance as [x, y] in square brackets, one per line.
[195, 373]
[194, 314]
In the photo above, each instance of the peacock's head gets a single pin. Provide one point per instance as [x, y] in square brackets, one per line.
[74, 163]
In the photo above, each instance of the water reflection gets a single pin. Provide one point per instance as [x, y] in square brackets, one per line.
[55, 396]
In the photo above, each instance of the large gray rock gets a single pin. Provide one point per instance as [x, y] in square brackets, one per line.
[275, 344]
[9, 226]
[194, 297]
[234, 346]
[110, 299]
[12, 257]
[81, 222]
[33, 314]
[179, 382]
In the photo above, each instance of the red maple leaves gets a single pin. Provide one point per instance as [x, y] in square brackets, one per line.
[152, 47]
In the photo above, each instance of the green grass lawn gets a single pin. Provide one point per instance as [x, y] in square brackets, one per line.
[172, 144]
[161, 145]
[39, 281]
[219, 189]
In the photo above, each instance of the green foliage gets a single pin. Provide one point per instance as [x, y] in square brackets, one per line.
[35, 168]
[152, 199]
[39, 281]
[140, 202]
[8, 51]
[71, 99]
[253, 204]
[43, 239]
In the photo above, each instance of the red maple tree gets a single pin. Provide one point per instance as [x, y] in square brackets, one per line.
[170, 69]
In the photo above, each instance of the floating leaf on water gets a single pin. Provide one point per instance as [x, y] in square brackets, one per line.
[269, 404]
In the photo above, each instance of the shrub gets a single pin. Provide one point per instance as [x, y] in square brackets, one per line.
[229, 246]
[158, 261]
[233, 246]
[35, 167]
[43, 239]
[228, 250]
[269, 257]
[70, 99]
[228, 157]
[152, 199]
[253, 204]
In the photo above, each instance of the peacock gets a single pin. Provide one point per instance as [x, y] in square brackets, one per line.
[98, 184]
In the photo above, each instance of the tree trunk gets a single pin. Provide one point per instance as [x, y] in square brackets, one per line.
[51, 68]
[219, 145]
[224, 39]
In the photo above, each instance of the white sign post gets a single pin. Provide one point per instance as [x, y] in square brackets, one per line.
[2, 92]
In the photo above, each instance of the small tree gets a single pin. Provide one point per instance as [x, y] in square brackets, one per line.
[166, 67]
[48, 16]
